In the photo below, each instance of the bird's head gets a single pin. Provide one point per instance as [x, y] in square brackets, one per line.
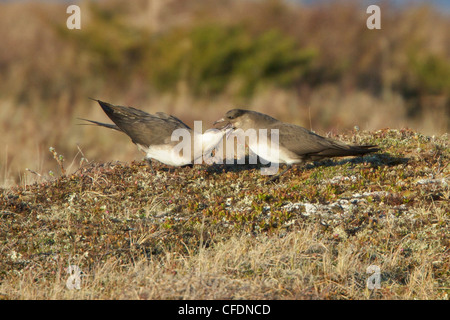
[235, 118]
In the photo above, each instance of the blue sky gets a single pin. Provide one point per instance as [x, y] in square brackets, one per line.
[442, 4]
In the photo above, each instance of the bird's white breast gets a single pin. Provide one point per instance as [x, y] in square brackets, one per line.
[167, 154]
[271, 152]
[183, 152]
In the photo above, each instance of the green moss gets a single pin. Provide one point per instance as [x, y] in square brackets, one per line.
[129, 213]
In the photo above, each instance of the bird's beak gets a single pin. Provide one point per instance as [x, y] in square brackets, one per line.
[228, 125]
[219, 121]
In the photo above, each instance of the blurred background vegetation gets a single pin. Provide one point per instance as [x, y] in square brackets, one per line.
[316, 65]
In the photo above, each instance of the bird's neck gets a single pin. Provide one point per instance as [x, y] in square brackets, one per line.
[208, 140]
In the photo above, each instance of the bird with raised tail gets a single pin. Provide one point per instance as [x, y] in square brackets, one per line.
[161, 136]
[295, 144]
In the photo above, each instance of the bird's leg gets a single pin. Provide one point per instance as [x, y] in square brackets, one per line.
[275, 177]
[149, 161]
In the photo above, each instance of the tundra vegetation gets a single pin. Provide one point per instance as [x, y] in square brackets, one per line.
[220, 232]
[80, 196]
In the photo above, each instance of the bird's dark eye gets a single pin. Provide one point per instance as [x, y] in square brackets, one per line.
[230, 117]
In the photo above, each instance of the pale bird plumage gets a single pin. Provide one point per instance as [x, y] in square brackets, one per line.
[153, 134]
[295, 143]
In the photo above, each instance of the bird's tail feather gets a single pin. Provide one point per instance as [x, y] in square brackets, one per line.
[101, 124]
[343, 152]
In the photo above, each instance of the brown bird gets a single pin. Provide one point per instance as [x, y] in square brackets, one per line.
[153, 134]
[295, 144]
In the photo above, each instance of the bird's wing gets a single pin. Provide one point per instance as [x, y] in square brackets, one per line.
[307, 144]
[173, 119]
[300, 140]
[143, 128]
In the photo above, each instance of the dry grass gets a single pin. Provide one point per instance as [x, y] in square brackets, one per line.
[218, 232]
[295, 265]
[47, 78]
